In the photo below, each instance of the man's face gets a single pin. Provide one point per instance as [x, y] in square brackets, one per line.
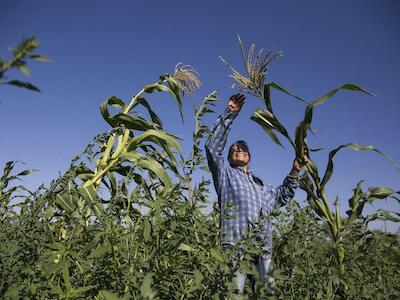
[239, 156]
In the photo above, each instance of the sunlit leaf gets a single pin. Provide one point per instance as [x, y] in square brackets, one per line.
[285, 91]
[356, 147]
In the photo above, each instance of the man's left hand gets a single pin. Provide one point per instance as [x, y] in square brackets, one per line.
[298, 165]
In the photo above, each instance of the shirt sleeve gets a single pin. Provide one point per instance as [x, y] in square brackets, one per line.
[216, 143]
[282, 194]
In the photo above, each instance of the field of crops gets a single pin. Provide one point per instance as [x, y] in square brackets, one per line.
[128, 220]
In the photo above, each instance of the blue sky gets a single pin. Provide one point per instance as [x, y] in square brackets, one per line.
[105, 48]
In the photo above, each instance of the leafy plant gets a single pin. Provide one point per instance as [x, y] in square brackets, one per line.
[21, 54]
[127, 220]
[311, 181]
[307, 261]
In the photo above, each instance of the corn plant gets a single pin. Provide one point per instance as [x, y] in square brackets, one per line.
[254, 82]
[126, 221]
[128, 143]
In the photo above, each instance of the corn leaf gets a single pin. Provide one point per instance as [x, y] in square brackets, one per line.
[305, 125]
[157, 87]
[285, 91]
[90, 195]
[384, 215]
[156, 136]
[133, 122]
[173, 85]
[356, 147]
[377, 193]
[112, 101]
[147, 163]
[269, 122]
[154, 117]
[66, 202]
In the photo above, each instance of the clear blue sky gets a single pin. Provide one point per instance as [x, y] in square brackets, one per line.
[105, 48]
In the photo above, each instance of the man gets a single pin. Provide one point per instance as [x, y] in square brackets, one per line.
[243, 197]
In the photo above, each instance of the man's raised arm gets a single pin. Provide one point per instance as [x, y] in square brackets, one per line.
[216, 142]
[285, 192]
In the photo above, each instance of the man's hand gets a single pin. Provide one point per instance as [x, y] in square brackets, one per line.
[236, 102]
[298, 165]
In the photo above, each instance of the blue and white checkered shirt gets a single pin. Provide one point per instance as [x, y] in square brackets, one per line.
[240, 198]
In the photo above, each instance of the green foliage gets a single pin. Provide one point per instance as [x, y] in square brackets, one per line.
[131, 232]
[308, 260]
[311, 182]
[127, 220]
[21, 54]
[62, 248]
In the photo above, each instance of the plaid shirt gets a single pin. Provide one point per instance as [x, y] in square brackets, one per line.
[241, 199]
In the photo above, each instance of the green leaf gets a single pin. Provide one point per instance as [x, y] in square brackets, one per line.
[40, 58]
[146, 289]
[99, 251]
[357, 192]
[66, 202]
[337, 214]
[24, 85]
[24, 69]
[383, 215]
[133, 122]
[285, 91]
[378, 193]
[146, 230]
[48, 213]
[92, 244]
[177, 93]
[112, 101]
[305, 125]
[148, 163]
[154, 117]
[267, 97]
[157, 87]
[269, 122]
[89, 194]
[348, 86]
[185, 247]
[52, 269]
[216, 254]
[83, 289]
[12, 292]
[356, 147]
[247, 267]
[26, 172]
[26, 46]
[297, 270]
[66, 276]
[198, 276]
[157, 136]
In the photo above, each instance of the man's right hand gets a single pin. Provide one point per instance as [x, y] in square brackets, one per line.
[236, 102]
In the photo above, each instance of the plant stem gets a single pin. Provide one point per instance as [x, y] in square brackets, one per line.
[101, 173]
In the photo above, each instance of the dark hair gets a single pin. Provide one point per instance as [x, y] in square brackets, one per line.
[240, 145]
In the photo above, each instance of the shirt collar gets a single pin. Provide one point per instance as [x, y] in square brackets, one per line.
[243, 169]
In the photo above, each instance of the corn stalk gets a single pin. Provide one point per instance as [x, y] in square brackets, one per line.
[311, 181]
[141, 134]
